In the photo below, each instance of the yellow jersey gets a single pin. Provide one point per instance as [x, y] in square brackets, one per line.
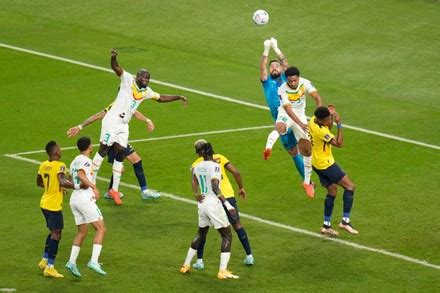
[225, 184]
[52, 198]
[321, 136]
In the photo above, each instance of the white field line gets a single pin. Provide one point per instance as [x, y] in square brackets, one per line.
[162, 138]
[274, 224]
[229, 99]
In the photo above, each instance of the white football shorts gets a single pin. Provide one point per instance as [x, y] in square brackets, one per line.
[211, 213]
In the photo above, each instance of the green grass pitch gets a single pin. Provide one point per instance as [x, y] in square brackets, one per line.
[377, 61]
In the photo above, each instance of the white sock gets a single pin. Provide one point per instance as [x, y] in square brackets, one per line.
[199, 260]
[307, 169]
[272, 139]
[224, 259]
[96, 252]
[117, 174]
[97, 161]
[189, 256]
[74, 253]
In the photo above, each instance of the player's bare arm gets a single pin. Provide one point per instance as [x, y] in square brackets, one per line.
[295, 118]
[114, 63]
[172, 98]
[264, 61]
[317, 98]
[237, 176]
[338, 141]
[84, 180]
[40, 181]
[280, 55]
[64, 181]
[195, 188]
[139, 116]
[76, 129]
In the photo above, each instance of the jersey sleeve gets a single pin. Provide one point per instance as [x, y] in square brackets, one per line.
[106, 109]
[61, 168]
[324, 134]
[39, 170]
[152, 95]
[216, 172]
[126, 79]
[223, 161]
[309, 86]
[284, 98]
[83, 165]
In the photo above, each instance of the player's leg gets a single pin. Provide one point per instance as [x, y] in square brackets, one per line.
[100, 231]
[136, 161]
[43, 262]
[199, 264]
[348, 197]
[98, 158]
[241, 232]
[290, 145]
[117, 170]
[305, 149]
[55, 224]
[195, 244]
[76, 247]
[225, 254]
[271, 140]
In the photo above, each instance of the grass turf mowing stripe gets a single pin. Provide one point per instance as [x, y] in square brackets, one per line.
[229, 99]
[273, 224]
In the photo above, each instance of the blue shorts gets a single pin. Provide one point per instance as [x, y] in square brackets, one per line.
[288, 140]
[233, 203]
[332, 174]
[54, 220]
[111, 153]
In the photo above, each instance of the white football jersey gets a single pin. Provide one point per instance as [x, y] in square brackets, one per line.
[295, 97]
[205, 171]
[84, 163]
[129, 97]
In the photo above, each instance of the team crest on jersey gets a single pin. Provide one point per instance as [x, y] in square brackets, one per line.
[87, 164]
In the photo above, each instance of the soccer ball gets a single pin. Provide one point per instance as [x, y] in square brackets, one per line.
[260, 17]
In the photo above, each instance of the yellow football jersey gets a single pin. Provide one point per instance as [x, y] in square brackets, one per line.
[52, 198]
[321, 136]
[225, 184]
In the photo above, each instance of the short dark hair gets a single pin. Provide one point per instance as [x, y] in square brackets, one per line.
[291, 71]
[274, 60]
[83, 143]
[322, 112]
[207, 150]
[143, 72]
[50, 147]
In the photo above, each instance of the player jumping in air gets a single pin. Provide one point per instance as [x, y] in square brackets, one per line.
[115, 130]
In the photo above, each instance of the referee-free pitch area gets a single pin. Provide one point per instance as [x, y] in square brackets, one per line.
[377, 84]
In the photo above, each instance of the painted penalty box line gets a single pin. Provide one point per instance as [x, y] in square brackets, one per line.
[272, 223]
[161, 138]
[220, 97]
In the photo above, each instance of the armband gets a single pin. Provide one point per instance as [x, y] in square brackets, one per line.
[80, 127]
[76, 186]
[339, 125]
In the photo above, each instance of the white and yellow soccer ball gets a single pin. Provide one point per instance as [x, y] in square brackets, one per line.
[260, 17]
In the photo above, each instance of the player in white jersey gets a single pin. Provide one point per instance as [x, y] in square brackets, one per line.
[84, 208]
[114, 130]
[206, 178]
[292, 114]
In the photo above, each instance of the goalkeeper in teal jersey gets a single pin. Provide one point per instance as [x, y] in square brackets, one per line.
[271, 81]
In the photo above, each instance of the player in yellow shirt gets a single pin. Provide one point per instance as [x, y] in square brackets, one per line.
[51, 176]
[228, 193]
[330, 174]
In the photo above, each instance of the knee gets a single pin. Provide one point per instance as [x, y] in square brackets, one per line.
[56, 235]
[281, 128]
[237, 226]
[103, 150]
